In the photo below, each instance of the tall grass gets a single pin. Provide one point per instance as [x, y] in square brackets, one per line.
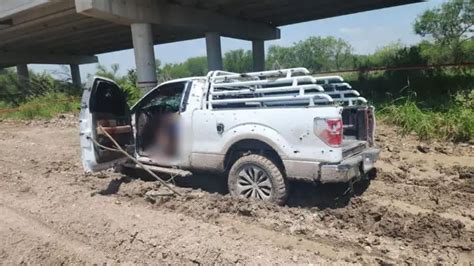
[453, 123]
[429, 88]
[45, 106]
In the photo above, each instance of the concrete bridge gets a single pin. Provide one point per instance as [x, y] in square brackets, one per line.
[72, 32]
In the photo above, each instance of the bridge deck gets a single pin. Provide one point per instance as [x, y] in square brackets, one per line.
[54, 26]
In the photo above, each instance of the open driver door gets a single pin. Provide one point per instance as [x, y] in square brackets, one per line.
[104, 106]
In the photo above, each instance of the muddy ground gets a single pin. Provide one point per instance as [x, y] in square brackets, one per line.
[419, 209]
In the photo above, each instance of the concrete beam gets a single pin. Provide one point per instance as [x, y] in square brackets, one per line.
[5, 24]
[214, 51]
[10, 7]
[10, 59]
[258, 54]
[38, 24]
[118, 42]
[79, 44]
[158, 12]
[325, 9]
[50, 34]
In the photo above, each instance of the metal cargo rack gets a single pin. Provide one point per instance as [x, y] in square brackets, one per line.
[285, 87]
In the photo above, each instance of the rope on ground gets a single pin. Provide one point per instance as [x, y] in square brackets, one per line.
[121, 150]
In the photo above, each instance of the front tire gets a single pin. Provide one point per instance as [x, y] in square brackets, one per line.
[257, 177]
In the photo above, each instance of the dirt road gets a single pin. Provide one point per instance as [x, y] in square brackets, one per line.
[418, 209]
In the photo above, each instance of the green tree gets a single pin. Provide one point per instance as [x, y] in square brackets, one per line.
[386, 56]
[396, 55]
[450, 26]
[174, 71]
[281, 57]
[194, 66]
[197, 66]
[13, 92]
[238, 61]
[314, 53]
[111, 73]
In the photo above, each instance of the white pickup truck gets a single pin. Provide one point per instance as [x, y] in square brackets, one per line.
[258, 129]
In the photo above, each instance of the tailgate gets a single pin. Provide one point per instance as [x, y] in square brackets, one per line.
[353, 147]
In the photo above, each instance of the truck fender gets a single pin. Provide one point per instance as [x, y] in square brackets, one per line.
[258, 132]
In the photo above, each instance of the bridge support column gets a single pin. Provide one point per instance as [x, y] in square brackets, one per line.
[214, 51]
[76, 75]
[142, 36]
[23, 75]
[258, 53]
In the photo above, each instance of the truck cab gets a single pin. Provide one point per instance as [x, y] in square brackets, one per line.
[259, 129]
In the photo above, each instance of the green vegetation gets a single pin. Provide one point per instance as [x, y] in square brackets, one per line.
[45, 106]
[196, 66]
[429, 88]
[433, 103]
[43, 97]
[450, 26]
[315, 53]
[14, 93]
[430, 110]
[453, 123]
[234, 61]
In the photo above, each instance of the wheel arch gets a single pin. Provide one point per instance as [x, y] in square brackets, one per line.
[252, 146]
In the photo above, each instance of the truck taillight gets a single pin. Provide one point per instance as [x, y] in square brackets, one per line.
[329, 130]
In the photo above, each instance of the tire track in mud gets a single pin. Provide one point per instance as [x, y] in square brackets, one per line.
[283, 226]
[143, 243]
[392, 226]
[403, 206]
[172, 238]
[463, 182]
[392, 220]
[32, 230]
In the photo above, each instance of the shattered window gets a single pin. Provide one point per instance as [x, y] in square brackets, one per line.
[168, 97]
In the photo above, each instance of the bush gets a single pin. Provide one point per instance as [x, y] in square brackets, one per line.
[46, 106]
[132, 93]
[4, 105]
[14, 93]
[454, 122]
[431, 88]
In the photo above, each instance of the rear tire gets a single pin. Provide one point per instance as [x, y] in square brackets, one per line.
[257, 177]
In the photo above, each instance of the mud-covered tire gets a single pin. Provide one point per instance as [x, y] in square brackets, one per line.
[255, 176]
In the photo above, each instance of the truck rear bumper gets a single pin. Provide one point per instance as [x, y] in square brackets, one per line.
[349, 168]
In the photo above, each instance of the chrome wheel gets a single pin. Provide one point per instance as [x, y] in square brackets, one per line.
[254, 182]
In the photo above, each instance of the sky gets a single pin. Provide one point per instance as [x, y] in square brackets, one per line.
[366, 32]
